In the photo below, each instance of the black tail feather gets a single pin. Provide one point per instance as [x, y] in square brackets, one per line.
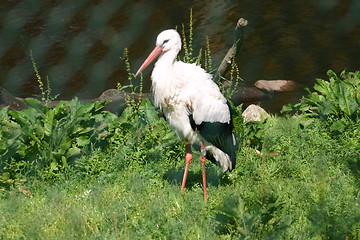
[220, 135]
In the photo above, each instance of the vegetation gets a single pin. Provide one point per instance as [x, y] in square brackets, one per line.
[75, 171]
[336, 101]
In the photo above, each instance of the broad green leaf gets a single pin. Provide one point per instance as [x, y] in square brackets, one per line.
[322, 87]
[78, 130]
[347, 103]
[328, 107]
[64, 162]
[61, 108]
[126, 114]
[21, 118]
[105, 117]
[169, 135]
[149, 111]
[288, 108]
[36, 104]
[332, 75]
[338, 126]
[73, 151]
[129, 127]
[4, 112]
[82, 141]
[85, 108]
[49, 122]
[9, 124]
[99, 105]
[39, 131]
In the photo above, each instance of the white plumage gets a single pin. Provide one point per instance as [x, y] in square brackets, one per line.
[190, 100]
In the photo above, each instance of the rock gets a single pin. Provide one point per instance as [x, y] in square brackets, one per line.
[14, 103]
[254, 113]
[276, 85]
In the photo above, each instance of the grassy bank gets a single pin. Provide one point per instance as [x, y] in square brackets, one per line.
[297, 177]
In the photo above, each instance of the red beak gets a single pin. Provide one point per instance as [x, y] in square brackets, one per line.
[152, 56]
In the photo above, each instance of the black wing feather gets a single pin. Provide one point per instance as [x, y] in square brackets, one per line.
[220, 135]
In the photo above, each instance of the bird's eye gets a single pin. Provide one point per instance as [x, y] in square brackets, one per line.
[165, 41]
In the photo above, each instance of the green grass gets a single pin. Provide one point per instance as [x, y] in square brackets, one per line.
[304, 185]
[297, 177]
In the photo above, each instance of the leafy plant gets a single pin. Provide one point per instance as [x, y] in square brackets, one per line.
[44, 139]
[140, 129]
[337, 101]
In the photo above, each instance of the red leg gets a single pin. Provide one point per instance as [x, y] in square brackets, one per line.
[203, 160]
[188, 159]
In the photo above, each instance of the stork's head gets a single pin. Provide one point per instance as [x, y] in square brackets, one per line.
[168, 40]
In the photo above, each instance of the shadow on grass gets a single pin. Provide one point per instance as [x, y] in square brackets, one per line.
[213, 176]
[330, 223]
[354, 167]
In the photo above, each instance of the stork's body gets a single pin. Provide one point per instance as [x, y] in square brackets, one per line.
[192, 103]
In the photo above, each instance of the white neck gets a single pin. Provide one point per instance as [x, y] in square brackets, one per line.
[167, 59]
[163, 76]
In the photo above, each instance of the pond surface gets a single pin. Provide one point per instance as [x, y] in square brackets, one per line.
[77, 45]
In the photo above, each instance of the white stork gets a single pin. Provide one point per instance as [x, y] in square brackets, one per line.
[193, 105]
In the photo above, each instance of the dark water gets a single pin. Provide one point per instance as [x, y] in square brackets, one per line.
[77, 45]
